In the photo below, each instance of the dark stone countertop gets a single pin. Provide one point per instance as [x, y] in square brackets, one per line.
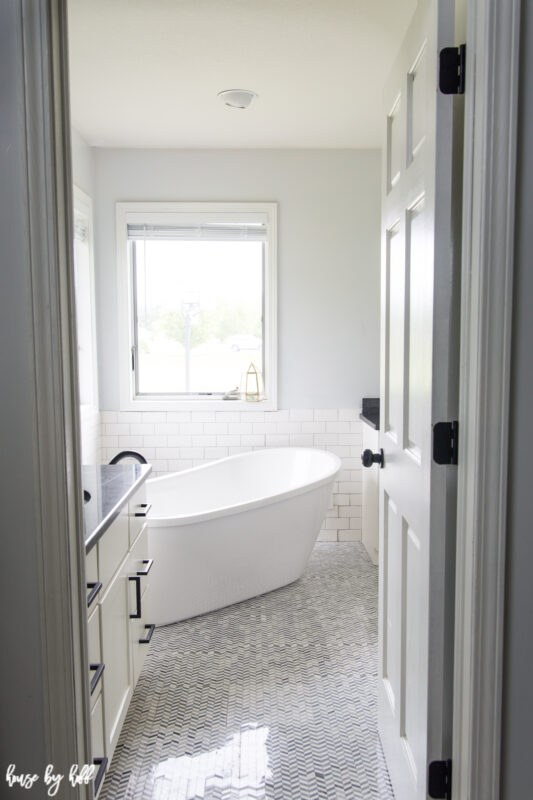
[370, 412]
[110, 487]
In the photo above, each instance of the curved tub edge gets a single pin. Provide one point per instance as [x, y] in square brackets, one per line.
[190, 519]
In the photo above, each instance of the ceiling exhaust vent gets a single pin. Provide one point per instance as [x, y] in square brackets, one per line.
[237, 98]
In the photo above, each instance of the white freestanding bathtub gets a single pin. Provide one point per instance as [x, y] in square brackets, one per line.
[235, 528]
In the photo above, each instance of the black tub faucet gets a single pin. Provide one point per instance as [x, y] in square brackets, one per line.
[128, 454]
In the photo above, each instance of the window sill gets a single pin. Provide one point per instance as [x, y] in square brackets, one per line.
[167, 404]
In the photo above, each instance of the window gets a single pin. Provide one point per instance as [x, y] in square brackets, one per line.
[84, 289]
[198, 281]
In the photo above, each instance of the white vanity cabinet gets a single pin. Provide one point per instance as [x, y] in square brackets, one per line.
[141, 628]
[118, 677]
[137, 511]
[118, 624]
[96, 665]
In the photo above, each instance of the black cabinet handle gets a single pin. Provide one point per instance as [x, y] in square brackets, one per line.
[137, 580]
[102, 763]
[148, 562]
[98, 672]
[95, 588]
[150, 629]
[145, 509]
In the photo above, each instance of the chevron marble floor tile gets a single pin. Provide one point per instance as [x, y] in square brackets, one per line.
[270, 699]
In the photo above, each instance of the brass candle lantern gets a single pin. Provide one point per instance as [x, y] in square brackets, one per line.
[252, 389]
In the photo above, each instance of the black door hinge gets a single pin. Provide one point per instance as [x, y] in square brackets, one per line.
[445, 442]
[440, 779]
[452, 69]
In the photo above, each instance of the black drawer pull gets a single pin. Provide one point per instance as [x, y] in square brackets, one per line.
[145, 509]
[148, 562]
[95, 588]
[137, 579]
[150, 629]
[98, 671]
[102, 762]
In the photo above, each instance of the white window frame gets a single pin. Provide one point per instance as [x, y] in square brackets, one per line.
[159, 213]
[83, 205]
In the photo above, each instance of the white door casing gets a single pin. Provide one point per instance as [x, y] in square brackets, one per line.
[370, 490]
[419, 379]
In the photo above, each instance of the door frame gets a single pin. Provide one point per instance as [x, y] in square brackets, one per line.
[38, 102]
[486, 310]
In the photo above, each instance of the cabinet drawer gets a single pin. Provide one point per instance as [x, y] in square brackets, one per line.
[140, 629]
[112, 548]
[94, 653]
[137, 509]
[97, 730]
[117, 683]
[91, 567]
[139, 551]
[141, 632]
[94, 587]
[139, 575]
[93, 636]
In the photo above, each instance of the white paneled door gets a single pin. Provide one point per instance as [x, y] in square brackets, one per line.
[419, 367]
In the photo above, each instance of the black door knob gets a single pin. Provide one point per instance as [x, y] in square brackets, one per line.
[368, 458]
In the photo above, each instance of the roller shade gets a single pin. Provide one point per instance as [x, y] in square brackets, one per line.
[207, 232]
[81, 229]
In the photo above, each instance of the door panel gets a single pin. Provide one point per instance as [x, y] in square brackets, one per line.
[391, 607]
[394, 143]
[394, 312]
[411, 716]
[416, 106]
[418, 350]
[416, 362]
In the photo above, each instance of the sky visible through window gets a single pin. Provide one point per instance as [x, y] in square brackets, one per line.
[199, 314]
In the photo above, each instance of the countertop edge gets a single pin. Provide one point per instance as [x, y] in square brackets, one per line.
[369, 421]
[104, 524]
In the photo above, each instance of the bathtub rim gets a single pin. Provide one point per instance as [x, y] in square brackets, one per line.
[239, 508]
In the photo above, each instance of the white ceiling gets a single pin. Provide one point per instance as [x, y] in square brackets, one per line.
[145, 73]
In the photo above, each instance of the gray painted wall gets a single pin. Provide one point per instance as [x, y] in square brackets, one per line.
[328, 255]
[517, 747]
[82, 163]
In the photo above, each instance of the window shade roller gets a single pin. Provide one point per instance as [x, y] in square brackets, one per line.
[210, 232]
[81, 229]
